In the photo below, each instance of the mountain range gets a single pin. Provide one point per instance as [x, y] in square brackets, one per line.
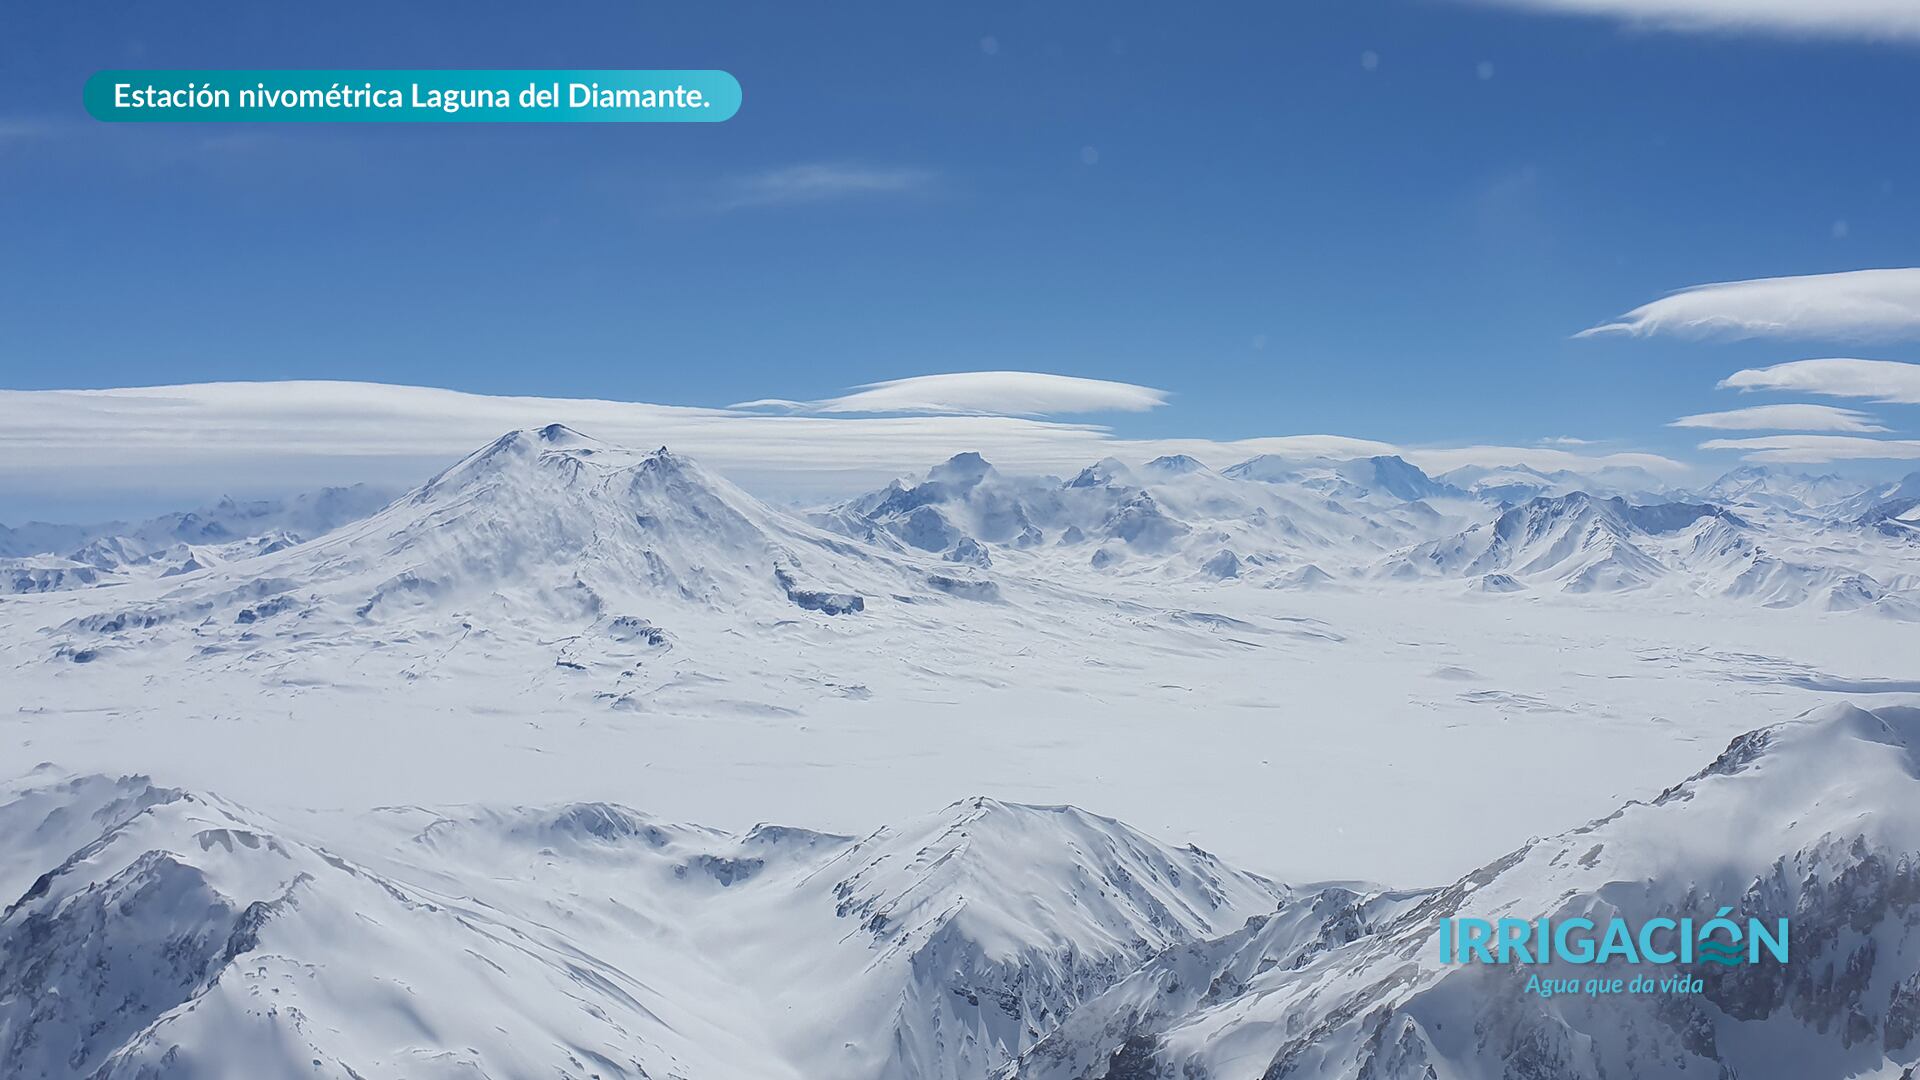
[164, 932]
[1269, 521]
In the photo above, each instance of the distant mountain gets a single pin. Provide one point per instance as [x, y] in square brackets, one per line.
[46, 538]
[1386, 476]
[606, 521]
[1175, 465]
[965, 498]
[1882, 504]
[1171, 517]
[1765, 486]
[1580, 542]
[46, 558]
[1511, 484]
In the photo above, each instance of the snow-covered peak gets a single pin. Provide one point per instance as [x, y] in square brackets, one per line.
[545, 533]
[1013, 877]
[1107, 472]
[961, 470]
[1581, 542]
[1384, 475]
[1175, 465]
[1770, 487]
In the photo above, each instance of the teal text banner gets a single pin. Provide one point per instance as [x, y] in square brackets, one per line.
[464, 96]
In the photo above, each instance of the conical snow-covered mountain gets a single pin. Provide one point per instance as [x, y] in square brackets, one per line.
[547, 529]
[564, 518]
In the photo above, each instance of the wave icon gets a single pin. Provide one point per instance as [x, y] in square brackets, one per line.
[1719, 953]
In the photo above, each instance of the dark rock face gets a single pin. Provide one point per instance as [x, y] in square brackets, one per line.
[970, 552]
[966, 588]
[826, 603]
[1134, 1060]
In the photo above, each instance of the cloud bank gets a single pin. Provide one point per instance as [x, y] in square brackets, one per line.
[192, 442]
[983, 393]
[1891, 19]
[1858, 305]
[1817, 449]
[1783, 418]
[1885, 381]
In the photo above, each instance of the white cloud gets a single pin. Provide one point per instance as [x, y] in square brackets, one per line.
[191, 442]
[1445, 459]
[819, 182]
[16, 130]
[1783, 418]
[1566, 440]
[1845, 18]
[1815, 449]
[1858, 305]
[1882, 380]
[1002, 393]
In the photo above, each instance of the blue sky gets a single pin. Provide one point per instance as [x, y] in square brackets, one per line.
[1383, 220]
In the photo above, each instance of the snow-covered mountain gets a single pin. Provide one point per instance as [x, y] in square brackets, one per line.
[1807, 821]
[550, 550]
[545, 530]
[1764, 486]
[1581, 543]
[1877, 495]
[1260, 649]
[1889, 510]
[161, 932]
[1265, 520]
[1385, 475]
[1509, 484]
[39, 557]
[1578, 542]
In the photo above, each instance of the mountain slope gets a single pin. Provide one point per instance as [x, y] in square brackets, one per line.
[163, 933]
[182, 935]
[1577, 541]
[1807, 820]
[546, 530]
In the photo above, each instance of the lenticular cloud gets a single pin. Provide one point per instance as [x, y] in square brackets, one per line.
[1881, 380]
[1859, 305]
[1004, 393]
[1837, 18]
